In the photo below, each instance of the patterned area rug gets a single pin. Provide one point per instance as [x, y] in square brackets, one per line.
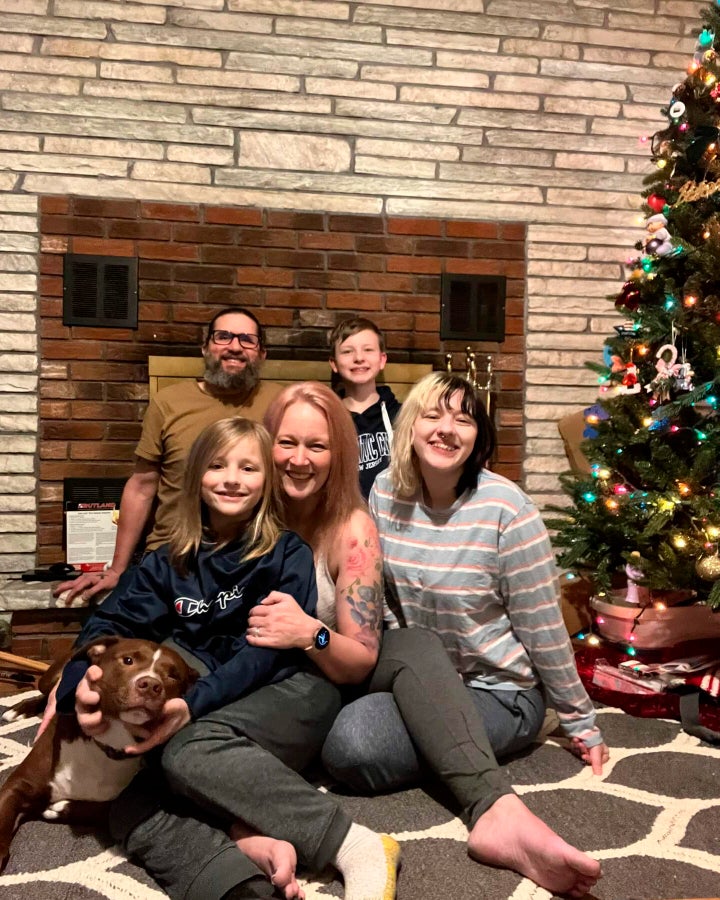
[653, 819]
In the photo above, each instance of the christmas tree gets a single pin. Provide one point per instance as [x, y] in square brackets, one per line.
[649, 512]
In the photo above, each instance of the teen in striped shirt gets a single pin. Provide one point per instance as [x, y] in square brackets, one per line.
[466, 556]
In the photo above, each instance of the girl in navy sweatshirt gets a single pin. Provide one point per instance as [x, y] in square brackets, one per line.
[228, 553]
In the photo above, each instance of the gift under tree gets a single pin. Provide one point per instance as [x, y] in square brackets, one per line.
[644, 526]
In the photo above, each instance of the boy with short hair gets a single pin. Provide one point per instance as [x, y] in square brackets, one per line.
[358, 356]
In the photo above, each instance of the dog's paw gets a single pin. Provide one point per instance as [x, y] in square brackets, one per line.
[26, 709]
[55, 810]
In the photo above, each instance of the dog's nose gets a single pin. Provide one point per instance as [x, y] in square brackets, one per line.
[148, 686]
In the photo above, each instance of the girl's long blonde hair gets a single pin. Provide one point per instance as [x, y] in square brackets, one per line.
[263, 530]
[340, 495]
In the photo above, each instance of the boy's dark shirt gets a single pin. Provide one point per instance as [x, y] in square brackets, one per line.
[373, 439]
[206, 613]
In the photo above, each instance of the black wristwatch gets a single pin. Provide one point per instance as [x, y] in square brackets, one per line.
[321, 639]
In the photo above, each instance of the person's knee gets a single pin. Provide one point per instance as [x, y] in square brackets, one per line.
[178, 754]
[411, 642]
[368, 748]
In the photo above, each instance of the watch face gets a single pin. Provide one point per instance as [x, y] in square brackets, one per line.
[322, 638]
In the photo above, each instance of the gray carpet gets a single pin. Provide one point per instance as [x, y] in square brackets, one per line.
[653, 820]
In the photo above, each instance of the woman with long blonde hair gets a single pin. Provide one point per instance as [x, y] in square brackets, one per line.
[468, 568]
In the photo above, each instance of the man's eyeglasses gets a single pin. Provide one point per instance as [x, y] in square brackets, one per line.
[251, 341]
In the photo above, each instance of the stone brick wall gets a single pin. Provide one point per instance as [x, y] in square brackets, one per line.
[491, 110]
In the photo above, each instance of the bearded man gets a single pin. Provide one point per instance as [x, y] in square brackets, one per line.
[234, 349]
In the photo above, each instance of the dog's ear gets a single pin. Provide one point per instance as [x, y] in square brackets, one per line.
[94, 650]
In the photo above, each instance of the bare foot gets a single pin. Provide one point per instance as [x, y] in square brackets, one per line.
[510, 836]
[277, 859]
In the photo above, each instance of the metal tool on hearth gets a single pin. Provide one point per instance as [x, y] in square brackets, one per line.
[482, 382]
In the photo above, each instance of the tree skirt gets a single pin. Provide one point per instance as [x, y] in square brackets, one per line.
[653, 819]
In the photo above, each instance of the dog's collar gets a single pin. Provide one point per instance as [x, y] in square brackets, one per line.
[112, 752]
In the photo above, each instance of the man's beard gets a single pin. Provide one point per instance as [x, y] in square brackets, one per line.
[243, 381]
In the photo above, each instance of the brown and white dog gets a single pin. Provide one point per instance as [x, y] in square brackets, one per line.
[70, 777]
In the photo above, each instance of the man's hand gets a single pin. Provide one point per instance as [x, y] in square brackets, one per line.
[595, 756]
[89, 717]
[175, 715]
[87, 586]
[280, 623]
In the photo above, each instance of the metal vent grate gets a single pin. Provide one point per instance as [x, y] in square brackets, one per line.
[473, 307]
[100, 291]
[92, 490]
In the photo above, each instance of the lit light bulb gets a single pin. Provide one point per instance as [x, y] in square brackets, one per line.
[660, 605]
[680, 542]
[690, 300]
[647, 421]
[593, 640]
[683, 488]
[611, 504]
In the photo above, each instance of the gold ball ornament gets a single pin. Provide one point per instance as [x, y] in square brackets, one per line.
[708, 568]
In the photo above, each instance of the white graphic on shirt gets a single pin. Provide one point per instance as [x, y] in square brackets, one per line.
[373, 448]
[188, 606]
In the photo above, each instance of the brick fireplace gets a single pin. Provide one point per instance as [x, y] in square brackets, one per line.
[300, 273]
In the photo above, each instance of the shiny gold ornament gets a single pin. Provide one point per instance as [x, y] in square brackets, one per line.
[708, 568]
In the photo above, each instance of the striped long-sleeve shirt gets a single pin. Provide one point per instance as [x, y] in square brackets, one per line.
[482, 575]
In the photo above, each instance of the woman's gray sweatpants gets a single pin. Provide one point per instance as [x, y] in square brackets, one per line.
[419, 719]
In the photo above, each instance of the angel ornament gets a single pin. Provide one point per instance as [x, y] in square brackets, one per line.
[668, 370]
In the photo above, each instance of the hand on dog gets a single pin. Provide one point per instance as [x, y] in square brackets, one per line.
[175, 715]
[89, 717]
